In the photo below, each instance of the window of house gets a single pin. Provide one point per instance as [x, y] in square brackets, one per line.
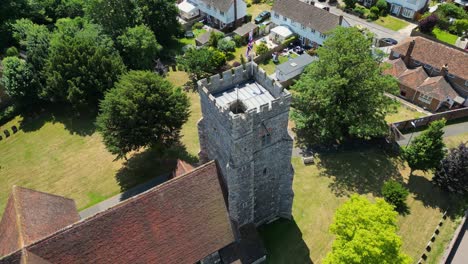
[403, 93]
[427, 66]
[451, 75]
[222, 13]
[293, 23]
[266, 139]
[408, 13]
[466, 83]
[425, 98]
[436, 70]
[276, 15]
[208, 6]
[264, 171]
[285, 18]
[322, 35]
[303, 27]
[312, 30]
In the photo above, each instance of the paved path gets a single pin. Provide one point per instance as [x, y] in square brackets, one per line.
[450, 130]
[461, 253]
[104, 205]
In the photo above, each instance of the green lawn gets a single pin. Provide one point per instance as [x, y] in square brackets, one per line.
[444, 36]
[403, 113]
[269, 66]
[320, 189]
[191, 41]
[454, 141]
[391, 22]
[256, 9]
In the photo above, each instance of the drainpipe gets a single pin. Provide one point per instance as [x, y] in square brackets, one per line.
[235, 13]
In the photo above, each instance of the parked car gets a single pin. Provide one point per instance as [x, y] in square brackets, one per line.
[262, 17]
[189, 34]
[390, 41]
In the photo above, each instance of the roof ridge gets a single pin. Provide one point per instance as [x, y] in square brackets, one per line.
[41, 192]
[18, 217]
[123, 203]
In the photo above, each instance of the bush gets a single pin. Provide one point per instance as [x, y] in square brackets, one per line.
[226, 45]
[248, 17]
[249, 4]
[8, 114]
[350, 3]
[262, 49]
[395, 194]
[382, 6]
[198, 25]
[236, 64]
[12, 52]
[451, 10]
[215, 37]
[360, 10]
[452, 174]
[460, 26]
[240, 41]
[374, 13]
[427, 25]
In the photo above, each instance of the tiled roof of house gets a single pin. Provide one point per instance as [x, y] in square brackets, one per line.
[307, 15]
[397, 67]
[436, 55]
[32, 215]
[437, 87]
[180, 221]
[413, 78]
[222, 5]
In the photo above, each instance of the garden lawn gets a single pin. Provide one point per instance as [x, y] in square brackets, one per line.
[269, 66]
[454, 141]
[320, 189]
[444, 36]
[256, 9]
[191, 41]
[391, 22]
[403, 113]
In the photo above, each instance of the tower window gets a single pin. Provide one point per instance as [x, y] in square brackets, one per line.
[266, 139]
[264, 171]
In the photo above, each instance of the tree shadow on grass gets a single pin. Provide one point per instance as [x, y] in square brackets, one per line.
[432, 196]
[360, 172]
[152, 166]
[284, 243]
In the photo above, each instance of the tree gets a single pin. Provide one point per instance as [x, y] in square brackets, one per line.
[427, 150]
[342, 94]
[215, 37]
[461, 25]
[374, 13]
[203, 62]
[350, 3]
[382, 6]
[394, 193]
[427, 24]
[12, 52]
[261, 49]
[161, 17]
[18, 80]
[365, 232]
[82, 64]
[139, 47]
[452, 174]
[226, 45]
[143, 110]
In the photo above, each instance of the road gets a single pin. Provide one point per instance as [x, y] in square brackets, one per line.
[450, 130]
[461, 248]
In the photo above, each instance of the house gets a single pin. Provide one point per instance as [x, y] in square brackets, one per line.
[418, 87]
[222, 14]
[309, 22]
[290, 70]
[437, 59]
[188, 10]
[407, 8]
[184, 220]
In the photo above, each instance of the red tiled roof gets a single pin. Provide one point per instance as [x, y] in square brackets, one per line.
[435, 54]
[32, 215]
[437, 87]
[182, 168]
[180, 221]
[413, 78]
[397, 67]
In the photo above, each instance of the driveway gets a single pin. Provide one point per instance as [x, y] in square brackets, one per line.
[450, 130]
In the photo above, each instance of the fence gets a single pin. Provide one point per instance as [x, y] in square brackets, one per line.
[424, 121]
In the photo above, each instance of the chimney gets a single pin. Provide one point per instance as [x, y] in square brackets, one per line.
[409, 52]
[312, 3]
[340, 20]
[444, 70]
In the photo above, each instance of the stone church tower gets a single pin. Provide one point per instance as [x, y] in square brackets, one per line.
[244, 128]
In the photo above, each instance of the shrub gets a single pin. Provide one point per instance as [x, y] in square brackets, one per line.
[374, 13]
[8, 114]
[248, 17]
[236, 64]
[451, 10]
[460, 26]
[226, 45]
[12, 52]
[198, 25]
[249, 4]
[395, 194]
[427, 25]
[452, 174]
[214, 38]
[240, 41]
[360, 10]
[350, 3]
[261, 49]
[382, 6]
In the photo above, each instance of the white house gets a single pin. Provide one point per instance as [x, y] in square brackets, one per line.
[309, 22]
[188, 10]
[406, 8]
[222, 13]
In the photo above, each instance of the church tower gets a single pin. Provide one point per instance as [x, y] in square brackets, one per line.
[245, 128]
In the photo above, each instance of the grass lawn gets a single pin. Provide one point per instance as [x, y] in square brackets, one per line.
[320, 189]
[403, 113]
[256, 9]
[191, 41]
[269, 66]
[391, 22]
[444, 36]
[454, 141]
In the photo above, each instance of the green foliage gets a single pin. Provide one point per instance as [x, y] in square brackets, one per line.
[12, 52]
[342, 94]
[240, 41]
[203, 62]
[161, 17]
[139, 47]
[226, 45]
[350, 3]
[451, 10]
[426, 151]
[374, 13]
[460, 26]
[8, 113]
[82, 64]
[382, 6]
[365, 232]
[215, 37]
[261, 49]
[198, 25]
[18, 80]
[395, 194]
[143, 110]
[242, 59]
[452, 174]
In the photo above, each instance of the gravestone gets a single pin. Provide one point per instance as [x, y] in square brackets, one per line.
[14, 129]
[7, 133]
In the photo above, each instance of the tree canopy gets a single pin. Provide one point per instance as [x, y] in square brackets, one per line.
[18, 80]
[161, 17]
[342, 94]
[203, 62]
[452, 174]
[365, 232]
[143, 110]
[427, 150]
[82, 64]
[139, 47]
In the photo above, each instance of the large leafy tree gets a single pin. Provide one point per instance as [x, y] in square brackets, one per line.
[342, 94]
[139, 47]
[452, 174]
[143, 110]
[18, 80]
[365, 232]
[427, 150]
[10, 10]
[161, 17]
[203, 62]
[82, 64]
